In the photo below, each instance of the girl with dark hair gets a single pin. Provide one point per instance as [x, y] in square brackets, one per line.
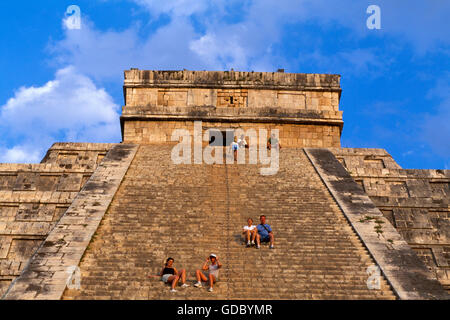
[170, 275]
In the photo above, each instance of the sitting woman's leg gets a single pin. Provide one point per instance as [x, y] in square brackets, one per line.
[212, 279]
[173, 280]
[253, 235]
[182, 275]
[200, 276]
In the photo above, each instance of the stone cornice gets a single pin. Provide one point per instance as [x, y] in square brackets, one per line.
[231, 79]
[210, 113]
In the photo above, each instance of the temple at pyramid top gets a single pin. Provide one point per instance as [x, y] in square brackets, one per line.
[304, 107]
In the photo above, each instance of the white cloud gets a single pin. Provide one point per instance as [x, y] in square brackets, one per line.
[237, 34]
[219, 52]
[68, 108]
[423, 24]
[241, 35]
[97, 54]
[244, 45]
[20, 154]
[105, 55]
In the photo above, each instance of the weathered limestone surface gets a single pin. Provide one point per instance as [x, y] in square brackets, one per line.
[233, 98]
[232, 89]
[144, 210]
[188, 211]
[33, 197]
[227, 79]
[46, 274]
[305, 107]
[160, 132]
[229, 114]
[416, 202]
[86, 155]
[407, 274]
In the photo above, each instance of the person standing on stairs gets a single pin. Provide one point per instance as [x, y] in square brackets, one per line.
[250, 232]
[234, 148]
[213, 272]
[170, 275]
[265, 233]
[273, 142]
[242, 142]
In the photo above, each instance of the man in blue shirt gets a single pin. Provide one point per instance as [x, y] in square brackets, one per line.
[265, 233]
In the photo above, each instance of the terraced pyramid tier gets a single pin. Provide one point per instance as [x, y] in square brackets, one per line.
[188, 211]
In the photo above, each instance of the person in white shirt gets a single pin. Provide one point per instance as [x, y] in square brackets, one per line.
[241, 142]
[213, 272]
[250, 232]
[234, 148]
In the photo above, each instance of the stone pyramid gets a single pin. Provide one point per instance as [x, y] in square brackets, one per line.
[97, 221]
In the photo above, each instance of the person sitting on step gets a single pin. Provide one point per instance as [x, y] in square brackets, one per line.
[209, 272]
[250, 232]
[265, 233]
[170, 275]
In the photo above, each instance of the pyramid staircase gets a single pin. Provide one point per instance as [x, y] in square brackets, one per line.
[189, 211]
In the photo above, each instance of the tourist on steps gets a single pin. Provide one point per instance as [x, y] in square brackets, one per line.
[273, 142]
[250, 232]
[265, 233]
[170, 275]
[242, 143]
[234, 148]
[213, 272]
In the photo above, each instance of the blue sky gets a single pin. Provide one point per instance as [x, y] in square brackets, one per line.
[66, 85]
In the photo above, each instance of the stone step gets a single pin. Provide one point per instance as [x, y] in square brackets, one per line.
[189, 211]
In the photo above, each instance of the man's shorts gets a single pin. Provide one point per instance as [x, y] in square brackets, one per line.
[265, 239]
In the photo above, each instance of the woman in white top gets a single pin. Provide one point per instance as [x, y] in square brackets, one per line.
[234, 148]
[242, 143]
[213, 272]
[250, 232]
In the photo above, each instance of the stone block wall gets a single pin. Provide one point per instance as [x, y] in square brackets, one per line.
[83, 155]
[33, 197]
[237, 98]
[233, 97]
[291, 135]
[305, 107]
[416, 202]
[228, 79]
